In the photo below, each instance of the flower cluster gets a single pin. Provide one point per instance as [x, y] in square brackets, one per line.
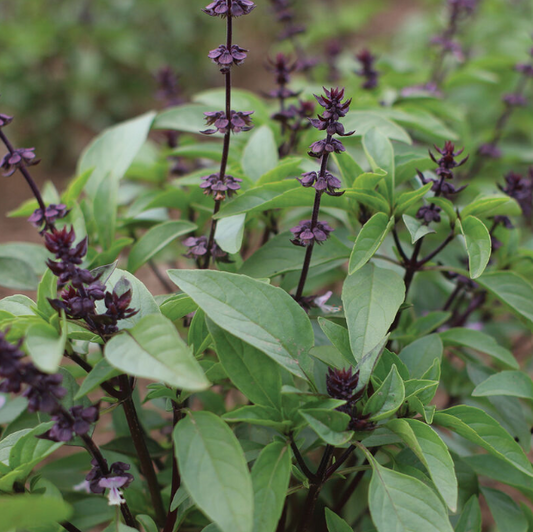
[368, 71]
[221, 8]
[286, 16]
[13, 160]
[333, 49]
[219, 187]
[5, 120]
[44, 393]
[335, 107]
[441, 187]
[114, 479]
[224, 57]
[342, 384]
[46, 218]
[282, 66]
[84, 289]
[306, 234]
[237, 122]
[521, 189]
[198, 247]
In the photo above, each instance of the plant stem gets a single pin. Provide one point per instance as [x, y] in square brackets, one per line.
[160, 277]
[437, 250]
[70, 527]
[301, 462]
[227, 137]
[342, 458]
[314, 491]
[176, 479]
[24, 171]
[314, 220]
[137, 435]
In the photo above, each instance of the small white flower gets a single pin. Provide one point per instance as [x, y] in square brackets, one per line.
[321, 301]
[113, 484]
[82, 486]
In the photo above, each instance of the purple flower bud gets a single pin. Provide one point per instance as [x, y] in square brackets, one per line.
[219, 188]
[525, 69]
[52, 213]
[5, 120]
[429, 213]
[198, 248]
[327, 183]
[224, 58]
[220, 8]
[11, 162]
[305, 234]
[521, 189]
[514, 100]
[368, 71]
[321, 147]
[239, 121]
[169, 89]
[490, 150]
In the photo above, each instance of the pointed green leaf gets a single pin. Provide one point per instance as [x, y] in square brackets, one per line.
[214, 471]
[387, 398]
[369, 240]
[336, 523]
[371, 298]
[46, 346]
[478, 245]
[256, 375]
[433, 453]
[416, 228]
[156, 239]
[230, 232]
[507, 514]
[480, 428]
[420, 355]
[330, 425]
[404, 504]
[154, 350]
[260, 153]
[470, 520]
[270, 478]
[512, 383]
[380, 154]
[267, 318]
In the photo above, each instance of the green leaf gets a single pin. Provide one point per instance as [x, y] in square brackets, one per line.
[507, 514]
[112, 152]
[154, 350]
[101, 372]
[105, 211]
[214, 471]
[75, 188]
[260, 153]
[420, 355]
[338, 336]
[330, 425]
[512, 290]
[256, 375]
[46, 346]
[177, 307]
[364, 121]
[470, 520]
[478, 245]
[230, 232]
[271, 474]
[22, 512]
[447, 206]
[286, 167]
[461, 337]
[512, 383]
[404, 504]
[188, 118]
[147, 523]
[156, 239]
[279, 255]
[370, 198]
[17, 274]
[371, 298]
[488, 206]
[433, 453]
[336, 523]
[368, 362]
[348, 167]
[263, 416]
[387, 398]
[416, 228]
[407, 199]
[369, 240]
[478, 427]
[380, 154]
[267, 318]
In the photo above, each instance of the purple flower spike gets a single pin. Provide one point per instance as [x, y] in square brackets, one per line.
[52, 213]
[239, 121]
[219, 188]
[368, 71]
